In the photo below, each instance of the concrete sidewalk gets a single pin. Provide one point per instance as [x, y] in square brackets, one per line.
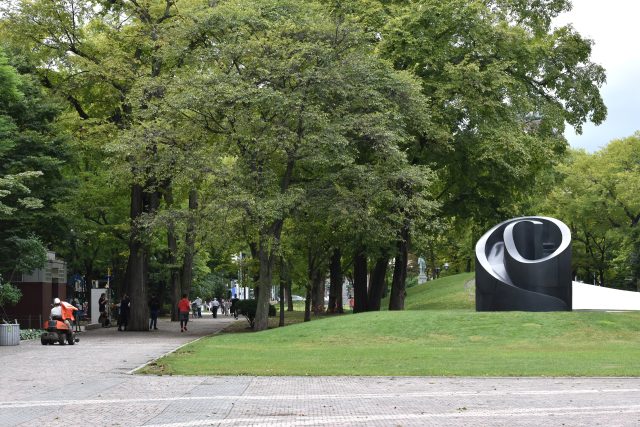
[89, 384]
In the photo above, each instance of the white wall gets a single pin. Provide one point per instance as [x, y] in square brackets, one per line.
[590, 297]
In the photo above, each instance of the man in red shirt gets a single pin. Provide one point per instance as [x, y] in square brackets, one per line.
[184, 307]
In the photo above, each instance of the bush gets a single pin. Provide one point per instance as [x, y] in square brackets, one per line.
[9, 294]
[30, 334]
[248, 308]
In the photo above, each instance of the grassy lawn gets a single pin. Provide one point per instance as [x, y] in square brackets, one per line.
[419, 341]
[443, 294]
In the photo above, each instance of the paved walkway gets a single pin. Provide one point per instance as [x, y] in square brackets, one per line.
[88, 385]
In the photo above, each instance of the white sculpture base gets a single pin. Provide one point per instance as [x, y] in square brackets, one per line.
[422, 278]
[590, 297]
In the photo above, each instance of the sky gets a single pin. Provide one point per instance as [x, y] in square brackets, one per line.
[613, 27]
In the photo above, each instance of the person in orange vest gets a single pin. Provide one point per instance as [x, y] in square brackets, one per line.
[62, 310]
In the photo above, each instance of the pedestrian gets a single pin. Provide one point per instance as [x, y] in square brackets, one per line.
[198, 302]
[223, 308]
[194, 309]
[123, 317]
[154, 309]
[227, 307]
[183, 312]
[234, 307]
[78, 314]
[214, 307]
[102, 308]
[351, 303]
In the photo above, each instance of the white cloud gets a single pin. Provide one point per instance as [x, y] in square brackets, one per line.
[613, 27]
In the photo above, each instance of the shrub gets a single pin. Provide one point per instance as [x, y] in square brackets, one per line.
[29, 334]
[248, 308]
[9, 294]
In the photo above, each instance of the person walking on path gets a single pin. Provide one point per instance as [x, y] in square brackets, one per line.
[102, 308]
[154, 309]
[184, 307]
[214, 307]
[123, 318]
[78, 314]
[198, 302]
[234, 307]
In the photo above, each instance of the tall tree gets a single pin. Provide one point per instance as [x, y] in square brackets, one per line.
[596, 195]
[32, 156]
[501, 83]
[101, 56]
[284, 89]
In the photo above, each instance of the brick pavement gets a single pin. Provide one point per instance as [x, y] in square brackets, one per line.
[89, 384]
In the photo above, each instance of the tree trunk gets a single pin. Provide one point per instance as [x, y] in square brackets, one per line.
[173, 257]
[283, 283]
[360, 281]
[317, 291]
[136, 285]
[335, 283]
[307, 305]
[190, 243]
[432, 260]
[255, 274]
[267, 249]
[377, 283]
[398, 285]
[314, 276]
[266, 271]
[289, 295]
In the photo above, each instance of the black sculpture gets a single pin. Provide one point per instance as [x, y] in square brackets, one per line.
[524, 264]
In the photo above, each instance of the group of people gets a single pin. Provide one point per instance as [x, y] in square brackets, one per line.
[123, 309]
[227, 307]
[185, 308]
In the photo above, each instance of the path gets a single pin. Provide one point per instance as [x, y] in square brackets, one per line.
[88, 384]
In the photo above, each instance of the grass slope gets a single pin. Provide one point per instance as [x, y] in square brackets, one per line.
[444, 342]
[442, 294]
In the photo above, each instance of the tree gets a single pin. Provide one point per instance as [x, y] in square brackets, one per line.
[500, 84]
[31, 156]
[101, 56]
[596, 195]
[288, 93]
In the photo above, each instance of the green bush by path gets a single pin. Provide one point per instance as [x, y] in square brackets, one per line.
[433, 342]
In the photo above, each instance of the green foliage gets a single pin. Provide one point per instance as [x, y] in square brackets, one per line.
[31, 155]
[12, 179]
[303, 126]
[248, 307]
[9, 294]
[500, 84]
[597, 196]
[30, 253]
[30, 334]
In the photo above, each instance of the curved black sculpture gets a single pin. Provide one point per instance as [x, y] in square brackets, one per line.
[524, 264]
